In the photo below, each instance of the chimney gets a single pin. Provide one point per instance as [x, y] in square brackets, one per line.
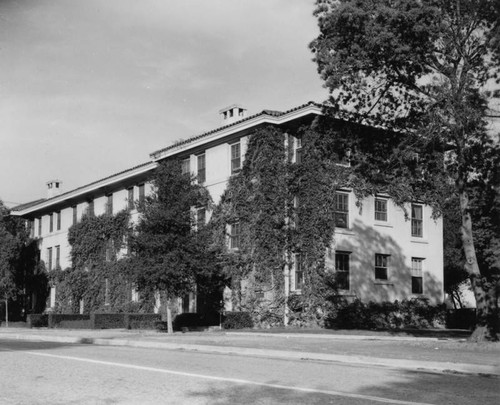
[232, 114]
[53, 188]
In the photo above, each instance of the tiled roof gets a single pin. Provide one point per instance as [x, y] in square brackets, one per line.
[33, 203]
[27, 205]
[271, 113]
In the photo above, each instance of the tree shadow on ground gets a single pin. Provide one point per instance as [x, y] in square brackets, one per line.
[11, 345]
[402, 385]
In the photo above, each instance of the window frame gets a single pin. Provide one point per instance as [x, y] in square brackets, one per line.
[344, 273]
[417, 224]
[49, 258]
[201, 165]
[74, 214]
[51, 222]
[339, 210]
[142, 192]
[417, 273]
[234, 237]
[298, 273]
[199, 223]
[381, 215]
[235, 157]
[382, 264]
[130, 199]
[186, 165]
[109, 204]
[58, 257]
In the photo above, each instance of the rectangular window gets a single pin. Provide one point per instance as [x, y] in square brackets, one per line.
[380, 209]
[75, 214]
[39, 226]
[341, 210]
[130, 198]
[298, 151]
[201, 216]
[201, 168]
[58, 220]
[109, 204]
[31, 228]
[58, 257]
[90, 208]
[234, 236]
[142, 193]
[51, 222]
[235, 158]
[295, 213]
[298, 273]
[49, 258]
[342, 270]
[416, 275]
[416, 220]
[185, 166]
[381, 266]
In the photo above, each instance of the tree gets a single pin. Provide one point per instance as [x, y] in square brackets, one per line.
[419, 68]
[169, 256]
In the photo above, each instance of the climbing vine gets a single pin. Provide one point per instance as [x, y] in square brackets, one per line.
[98, 281]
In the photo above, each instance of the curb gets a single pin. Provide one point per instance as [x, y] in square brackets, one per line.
[415, 365]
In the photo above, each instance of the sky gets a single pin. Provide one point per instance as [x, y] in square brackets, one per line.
[89, 88]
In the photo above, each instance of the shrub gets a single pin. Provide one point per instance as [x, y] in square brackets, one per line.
[413, 313]
[161, 326]
[237, 320]
[38, 320]
[58, 320]
[141, 321]
[107, 321]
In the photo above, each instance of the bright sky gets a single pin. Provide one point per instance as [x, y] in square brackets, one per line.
[90, 88]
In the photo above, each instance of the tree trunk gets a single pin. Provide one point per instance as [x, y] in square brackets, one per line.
[6, 312]
[484, 290]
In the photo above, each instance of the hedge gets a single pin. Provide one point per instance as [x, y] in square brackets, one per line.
[66, 320]
[107, 321]
[37, 320]
[141, 321]
[237, 320]
[386, 315]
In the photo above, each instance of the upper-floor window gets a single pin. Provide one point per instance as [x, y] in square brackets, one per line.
[201, 217]
[342, 270]
[58, 257]
[49, 258]
[380, 209]
[341, 210]
[109, 204]
[90, 208]
[416, 275]
[381, 266]
[51, 222]
[201, 168]
[58, 220]
[185, 166]
[417, 220]
[235, 158]
[130, 198]
[234, 235]
[298, 151]
[142, 193]
[39, 226]
[75, 214]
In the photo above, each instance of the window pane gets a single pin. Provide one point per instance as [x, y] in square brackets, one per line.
[380, 209]
[381, 266]
[201, 169]
[235, 158]
[341, 210]
[417, 285]
[342, 270]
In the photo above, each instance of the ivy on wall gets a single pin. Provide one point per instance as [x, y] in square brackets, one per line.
[97, 279]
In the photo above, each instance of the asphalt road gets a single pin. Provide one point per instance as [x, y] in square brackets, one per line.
[41, 373]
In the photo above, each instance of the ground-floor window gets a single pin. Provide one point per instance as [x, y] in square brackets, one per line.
[416, 275]
[342, 270]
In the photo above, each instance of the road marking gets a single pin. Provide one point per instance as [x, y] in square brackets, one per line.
[233, 380]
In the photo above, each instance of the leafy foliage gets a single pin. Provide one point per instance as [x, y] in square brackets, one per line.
[167, 254]
[420, 67]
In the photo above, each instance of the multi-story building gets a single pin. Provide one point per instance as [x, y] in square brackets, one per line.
[378, 252]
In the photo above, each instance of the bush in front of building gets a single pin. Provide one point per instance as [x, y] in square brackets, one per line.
[395, 315]
[37, 320]
[141, 321]
[237, 320]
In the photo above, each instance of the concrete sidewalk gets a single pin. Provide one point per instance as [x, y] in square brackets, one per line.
[419, 354]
